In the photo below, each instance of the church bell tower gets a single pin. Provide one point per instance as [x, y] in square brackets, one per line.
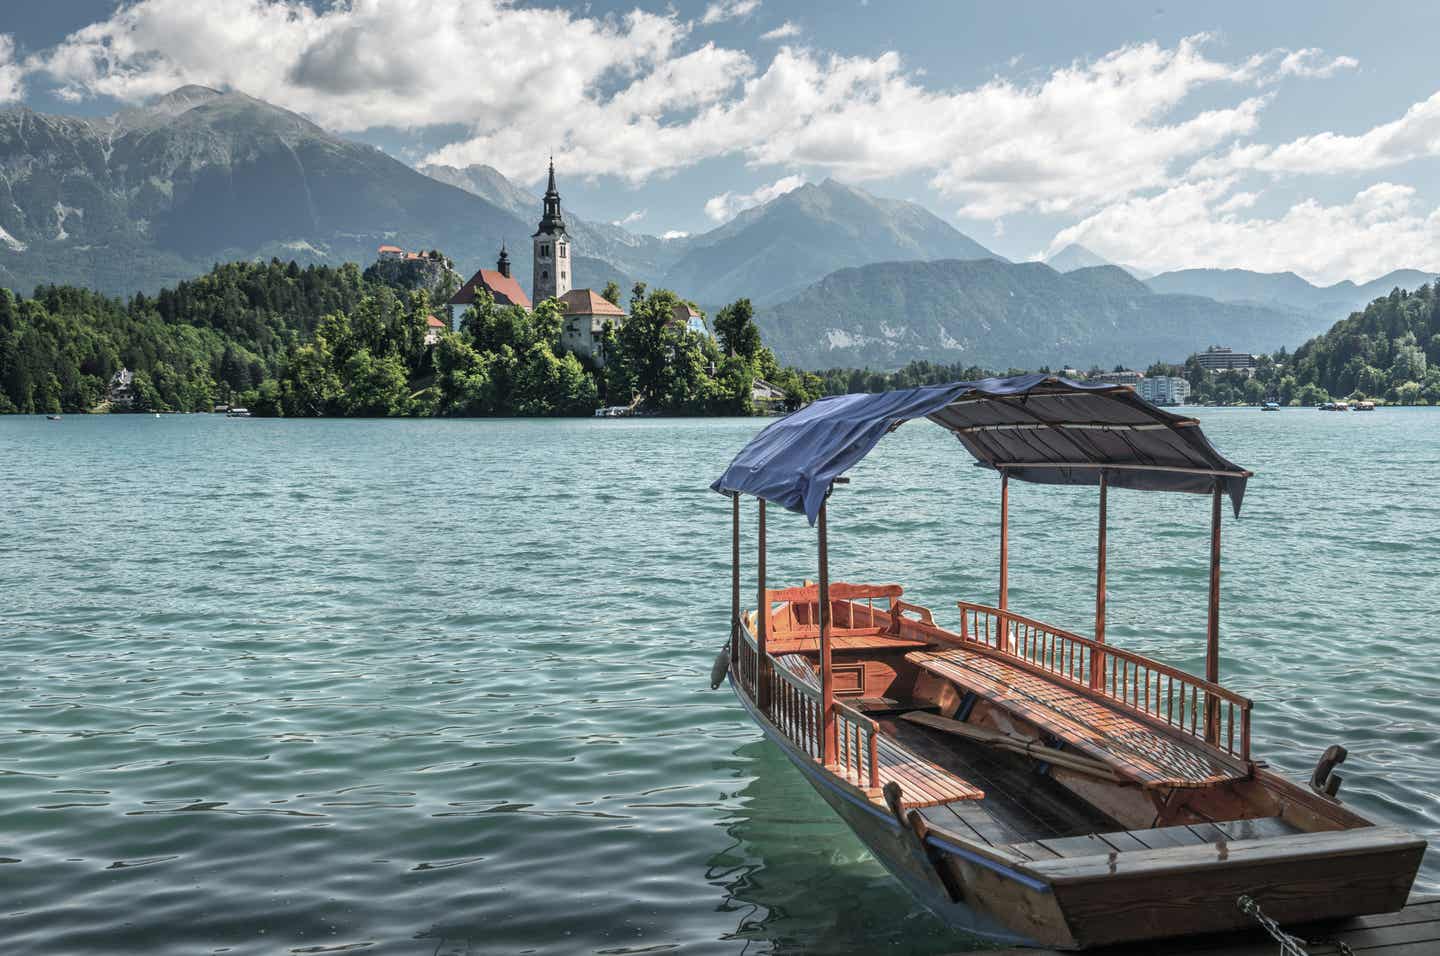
[552, 248]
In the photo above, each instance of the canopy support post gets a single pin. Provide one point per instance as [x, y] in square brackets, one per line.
[1004, 557]
[762, 615]
[1212, 630]
[829, 746]
[735, 584]
[1097, 660]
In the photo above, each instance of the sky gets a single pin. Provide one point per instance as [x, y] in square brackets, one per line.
[1272, 136]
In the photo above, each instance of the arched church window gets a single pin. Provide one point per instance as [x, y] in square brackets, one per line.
[561, 247]
[544, 274]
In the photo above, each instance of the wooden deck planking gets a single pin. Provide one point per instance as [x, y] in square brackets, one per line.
[1133, 748]
[922, 783]
[1024, 805]
[1414, 931]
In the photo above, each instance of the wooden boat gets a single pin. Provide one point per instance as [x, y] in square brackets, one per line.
[1028, 784]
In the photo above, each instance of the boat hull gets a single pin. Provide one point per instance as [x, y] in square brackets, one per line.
[1099, 900]
[896, 848]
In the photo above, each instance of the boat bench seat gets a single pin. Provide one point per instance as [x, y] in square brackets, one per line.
[1124, 841]
[843, 639]
[972, 821]
[922, 783]
[1134, 749]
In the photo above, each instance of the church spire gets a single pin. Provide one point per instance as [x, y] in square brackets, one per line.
[552, 221]
[502, 265]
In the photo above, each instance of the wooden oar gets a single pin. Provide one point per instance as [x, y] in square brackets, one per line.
[1026, 746]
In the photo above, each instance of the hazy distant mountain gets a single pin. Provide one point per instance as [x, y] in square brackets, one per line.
[1076, 256]
[149, 196]
[642, 256]
[1000, 315]
[775, 250]
[764, 253]
[1286, 289]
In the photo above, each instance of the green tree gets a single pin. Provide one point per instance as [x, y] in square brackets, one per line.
[374, 387]
[736, 329]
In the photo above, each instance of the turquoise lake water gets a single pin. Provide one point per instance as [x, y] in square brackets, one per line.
[441, 686]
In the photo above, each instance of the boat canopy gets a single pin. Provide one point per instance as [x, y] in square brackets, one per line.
[1033, 427]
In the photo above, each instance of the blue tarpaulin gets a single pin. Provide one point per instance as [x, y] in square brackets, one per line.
[1034, 427]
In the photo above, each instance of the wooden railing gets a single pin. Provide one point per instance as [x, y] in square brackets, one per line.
[795, 708]
[859, 739]
[1186, 703]
[747, 661]
[798, 613]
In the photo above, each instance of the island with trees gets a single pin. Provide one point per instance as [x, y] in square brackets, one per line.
[289, 341]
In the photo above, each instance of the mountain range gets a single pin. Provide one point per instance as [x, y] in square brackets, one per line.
[1277, 290]
[148, 196]
[766, 253]
[1076, 256]
[1285, 289]
[1011, 315]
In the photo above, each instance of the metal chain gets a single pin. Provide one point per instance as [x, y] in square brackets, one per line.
[1289, 945]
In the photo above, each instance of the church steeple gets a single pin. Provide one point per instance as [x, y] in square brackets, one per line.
[552, 221]
[503, 263]
[552, 247]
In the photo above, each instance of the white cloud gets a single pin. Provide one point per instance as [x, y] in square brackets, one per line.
[632, 96]
[351, 66]
[630, 219]
[1195, 225]
[1306, 62]
[729, 10]
[1416, 135]
[12, 74]
[727, 205]
[787, 29]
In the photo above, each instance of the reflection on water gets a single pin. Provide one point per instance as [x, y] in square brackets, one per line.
[797, 879]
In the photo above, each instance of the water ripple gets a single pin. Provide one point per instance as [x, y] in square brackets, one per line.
[438, 687]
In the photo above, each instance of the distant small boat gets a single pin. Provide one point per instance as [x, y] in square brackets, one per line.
[1271, 407]
[614, 411]
[238, 412]
[1364, 406]
[52, 418]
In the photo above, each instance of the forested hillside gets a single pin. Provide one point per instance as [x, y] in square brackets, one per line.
[222, 333]
[992, 313]
[1390, 350]
[332, 341]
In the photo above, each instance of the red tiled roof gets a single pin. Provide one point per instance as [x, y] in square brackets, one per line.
[504, 288]
[436, 323]
[390, 249]
[588, 302]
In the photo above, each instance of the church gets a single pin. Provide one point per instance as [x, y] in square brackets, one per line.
[586, 311]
